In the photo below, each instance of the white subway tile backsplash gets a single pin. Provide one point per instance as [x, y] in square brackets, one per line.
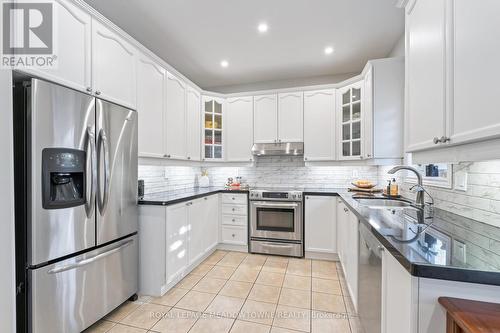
[480, 202]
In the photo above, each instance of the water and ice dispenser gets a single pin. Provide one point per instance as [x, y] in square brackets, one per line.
[63, 178]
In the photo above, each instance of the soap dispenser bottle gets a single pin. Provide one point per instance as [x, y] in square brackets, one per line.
[394, 188]
[388, 188]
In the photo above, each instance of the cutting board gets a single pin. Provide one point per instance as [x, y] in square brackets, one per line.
[365, 190]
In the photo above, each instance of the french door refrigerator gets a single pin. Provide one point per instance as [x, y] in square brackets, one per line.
[76, 206]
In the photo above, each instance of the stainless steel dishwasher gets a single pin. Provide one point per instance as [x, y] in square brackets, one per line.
[369, 281]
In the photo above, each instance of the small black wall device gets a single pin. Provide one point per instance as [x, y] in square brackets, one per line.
[63, 178]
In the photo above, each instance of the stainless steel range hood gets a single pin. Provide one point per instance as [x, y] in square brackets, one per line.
[278, 149]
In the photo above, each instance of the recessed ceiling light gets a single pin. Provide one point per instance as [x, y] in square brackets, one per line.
[224, 63]
[262, 27]
[328, 50]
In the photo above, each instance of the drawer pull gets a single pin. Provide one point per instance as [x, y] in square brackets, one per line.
[234, 209]
[234, 220]
[234, 235]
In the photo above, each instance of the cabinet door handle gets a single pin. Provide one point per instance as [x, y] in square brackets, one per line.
[189, 157]
[233, 198]
[234, 220]
[444, 139]
[234, 209]
[97, 92]
[234, 235]
[89, 89]
[166, 155]
[205, 198]
[436, 140]
[346, 210]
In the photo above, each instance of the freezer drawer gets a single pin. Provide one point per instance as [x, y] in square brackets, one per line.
[71, 295]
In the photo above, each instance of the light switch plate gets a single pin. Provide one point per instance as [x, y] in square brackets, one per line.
[460, 181]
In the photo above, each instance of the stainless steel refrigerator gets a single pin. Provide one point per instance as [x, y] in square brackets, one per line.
[76, 206]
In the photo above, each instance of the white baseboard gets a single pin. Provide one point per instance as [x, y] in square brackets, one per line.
[232, 247]
[321, 256]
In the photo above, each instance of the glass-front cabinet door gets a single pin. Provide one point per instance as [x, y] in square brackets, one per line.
[350, 120]
[212, 128]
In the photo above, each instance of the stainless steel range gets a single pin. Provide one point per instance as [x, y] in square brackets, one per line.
[276, 225]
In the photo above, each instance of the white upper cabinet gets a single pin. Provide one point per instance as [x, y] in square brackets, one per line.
[320, 216]
[265, 117]
[150, 107]
[383, 109]
[239, 129]
[113, 66]
[213, 128]
[319, 125]
[175, 118]
[475, 112]
[291, 117]
[73, 48]
[425, 73]
[350, 120]
[193, 124]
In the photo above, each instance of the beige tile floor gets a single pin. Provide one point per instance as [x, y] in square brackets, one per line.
[233, 292]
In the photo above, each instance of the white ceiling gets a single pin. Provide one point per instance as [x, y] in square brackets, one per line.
[195, 35]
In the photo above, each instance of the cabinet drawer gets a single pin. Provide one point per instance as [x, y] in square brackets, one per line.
[234, 209]
[238, 199]
[234, 235]
[234, 220]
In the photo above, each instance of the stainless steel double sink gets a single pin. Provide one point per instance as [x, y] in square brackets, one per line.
[385, 203]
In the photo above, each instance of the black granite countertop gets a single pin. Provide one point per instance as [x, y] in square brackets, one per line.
[433, 243]
[176, 196]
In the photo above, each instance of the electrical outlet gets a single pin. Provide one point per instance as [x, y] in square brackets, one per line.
[355, 173]
[460, 181]
[165, 173]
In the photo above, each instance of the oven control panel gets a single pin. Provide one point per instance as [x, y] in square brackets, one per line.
[276, 195]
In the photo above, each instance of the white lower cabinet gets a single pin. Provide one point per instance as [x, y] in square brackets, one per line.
[173, 240]
[196, 221]
[210, 227]
[177, 221]
[399, 297]
[234, 222]
[320, 218]
[348, 247]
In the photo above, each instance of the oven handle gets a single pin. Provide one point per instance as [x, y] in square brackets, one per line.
[277, 245]
[276, 205]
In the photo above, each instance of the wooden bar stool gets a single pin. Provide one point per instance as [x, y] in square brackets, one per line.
[466, 316]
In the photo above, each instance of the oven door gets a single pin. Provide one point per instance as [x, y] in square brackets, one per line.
[276, 220]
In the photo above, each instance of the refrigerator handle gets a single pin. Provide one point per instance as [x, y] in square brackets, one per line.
[59, 269]
[103, 195]
[91, 158]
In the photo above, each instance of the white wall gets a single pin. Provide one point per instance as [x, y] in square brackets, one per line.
[7, 255]
[399, 48]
